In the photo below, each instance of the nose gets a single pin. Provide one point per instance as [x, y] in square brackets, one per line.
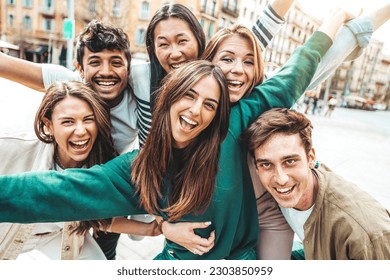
[105, 69]
[280, 177]
[80, 129]
[195, 107]
[175, 52]
[237, 67]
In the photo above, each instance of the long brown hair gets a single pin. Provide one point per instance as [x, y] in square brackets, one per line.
[194, 184]
[246, 34]
[102, 149]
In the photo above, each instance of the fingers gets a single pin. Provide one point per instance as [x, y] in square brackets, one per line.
[205, 245]
[200, 225]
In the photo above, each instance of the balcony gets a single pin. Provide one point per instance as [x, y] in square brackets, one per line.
[47, 11]
[234, 13]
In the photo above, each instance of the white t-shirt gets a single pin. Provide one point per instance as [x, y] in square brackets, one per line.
[296, 219]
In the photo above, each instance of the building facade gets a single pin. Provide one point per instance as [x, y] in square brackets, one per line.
[36, 28]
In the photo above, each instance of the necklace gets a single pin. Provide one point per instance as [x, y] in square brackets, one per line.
[62, 166]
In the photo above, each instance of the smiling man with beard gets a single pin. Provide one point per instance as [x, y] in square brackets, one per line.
[333, 217]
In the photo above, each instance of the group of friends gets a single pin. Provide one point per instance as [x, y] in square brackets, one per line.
[197, 140]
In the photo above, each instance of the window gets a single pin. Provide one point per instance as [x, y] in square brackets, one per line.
[140, 36]
[116, 9]
[211, 30]
[27, 22]
[144, 10]
[213, 7]
[225, 4]
[11, 20]
[27, 3]
[11, 2]
[202, 23]
[48, 4]
[233, 5]
[48, 24]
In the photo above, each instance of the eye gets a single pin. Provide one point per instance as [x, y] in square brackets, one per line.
[189, 95]
[94, 63]
[263, 165]
[90, 119]
[117, 63]
[227, 59]
[67, 122]
[182, 41]
[249, 62]
[162, 45]
[211, 106]
[290, 161]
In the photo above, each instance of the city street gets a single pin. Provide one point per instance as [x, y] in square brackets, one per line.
[354, 143]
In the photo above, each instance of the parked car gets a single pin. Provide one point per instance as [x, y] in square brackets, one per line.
[379, 106]
[358, 102]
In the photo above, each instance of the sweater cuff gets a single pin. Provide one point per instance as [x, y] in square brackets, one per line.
[319, 41]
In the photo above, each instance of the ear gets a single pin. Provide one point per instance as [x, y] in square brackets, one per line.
[80, 70]
[48, 125]
[312, 158]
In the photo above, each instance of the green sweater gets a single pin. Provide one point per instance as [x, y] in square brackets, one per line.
[105, 190]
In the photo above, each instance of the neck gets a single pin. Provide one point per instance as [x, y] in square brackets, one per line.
[57, 159]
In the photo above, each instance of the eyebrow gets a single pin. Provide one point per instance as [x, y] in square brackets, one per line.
[231, 52]
[283, 158]
[112, 57]
[177, 35]
[210, 99]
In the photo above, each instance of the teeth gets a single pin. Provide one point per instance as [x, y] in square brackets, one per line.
[235, 82]
[187, 120]
[80, 143]
[106, 83]
[283, 190]
[175, 66]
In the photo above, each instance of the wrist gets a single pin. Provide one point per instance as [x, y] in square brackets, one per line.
[160, 226]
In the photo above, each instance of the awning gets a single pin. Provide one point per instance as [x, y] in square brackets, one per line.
[4, 44]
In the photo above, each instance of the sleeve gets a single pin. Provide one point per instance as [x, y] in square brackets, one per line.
[53, 73]
[102, 191]
[347, 45]
[267, 26]
[285, 87]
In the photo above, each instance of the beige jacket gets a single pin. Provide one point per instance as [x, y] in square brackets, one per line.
[21, 153]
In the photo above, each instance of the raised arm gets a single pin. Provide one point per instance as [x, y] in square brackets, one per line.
[100, 192]
[21, 71]
[349, 42]
[290, 82]
[271, 21]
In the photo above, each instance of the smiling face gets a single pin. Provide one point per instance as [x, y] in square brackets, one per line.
[174, 43]
[74, 129]
[235, 56]
[193, 112]
[284, 170]
[107, 73]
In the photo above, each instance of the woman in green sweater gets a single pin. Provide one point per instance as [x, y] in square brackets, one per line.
[182, 175]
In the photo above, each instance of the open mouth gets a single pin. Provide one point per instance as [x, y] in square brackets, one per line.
[284, 191]
[79, 145]
[106, 83]
[187, 124]
[235, 84]
[177, 65]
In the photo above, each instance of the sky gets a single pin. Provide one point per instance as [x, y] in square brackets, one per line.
[319, 8]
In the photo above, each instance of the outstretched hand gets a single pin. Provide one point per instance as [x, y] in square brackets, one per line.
[184, 235]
